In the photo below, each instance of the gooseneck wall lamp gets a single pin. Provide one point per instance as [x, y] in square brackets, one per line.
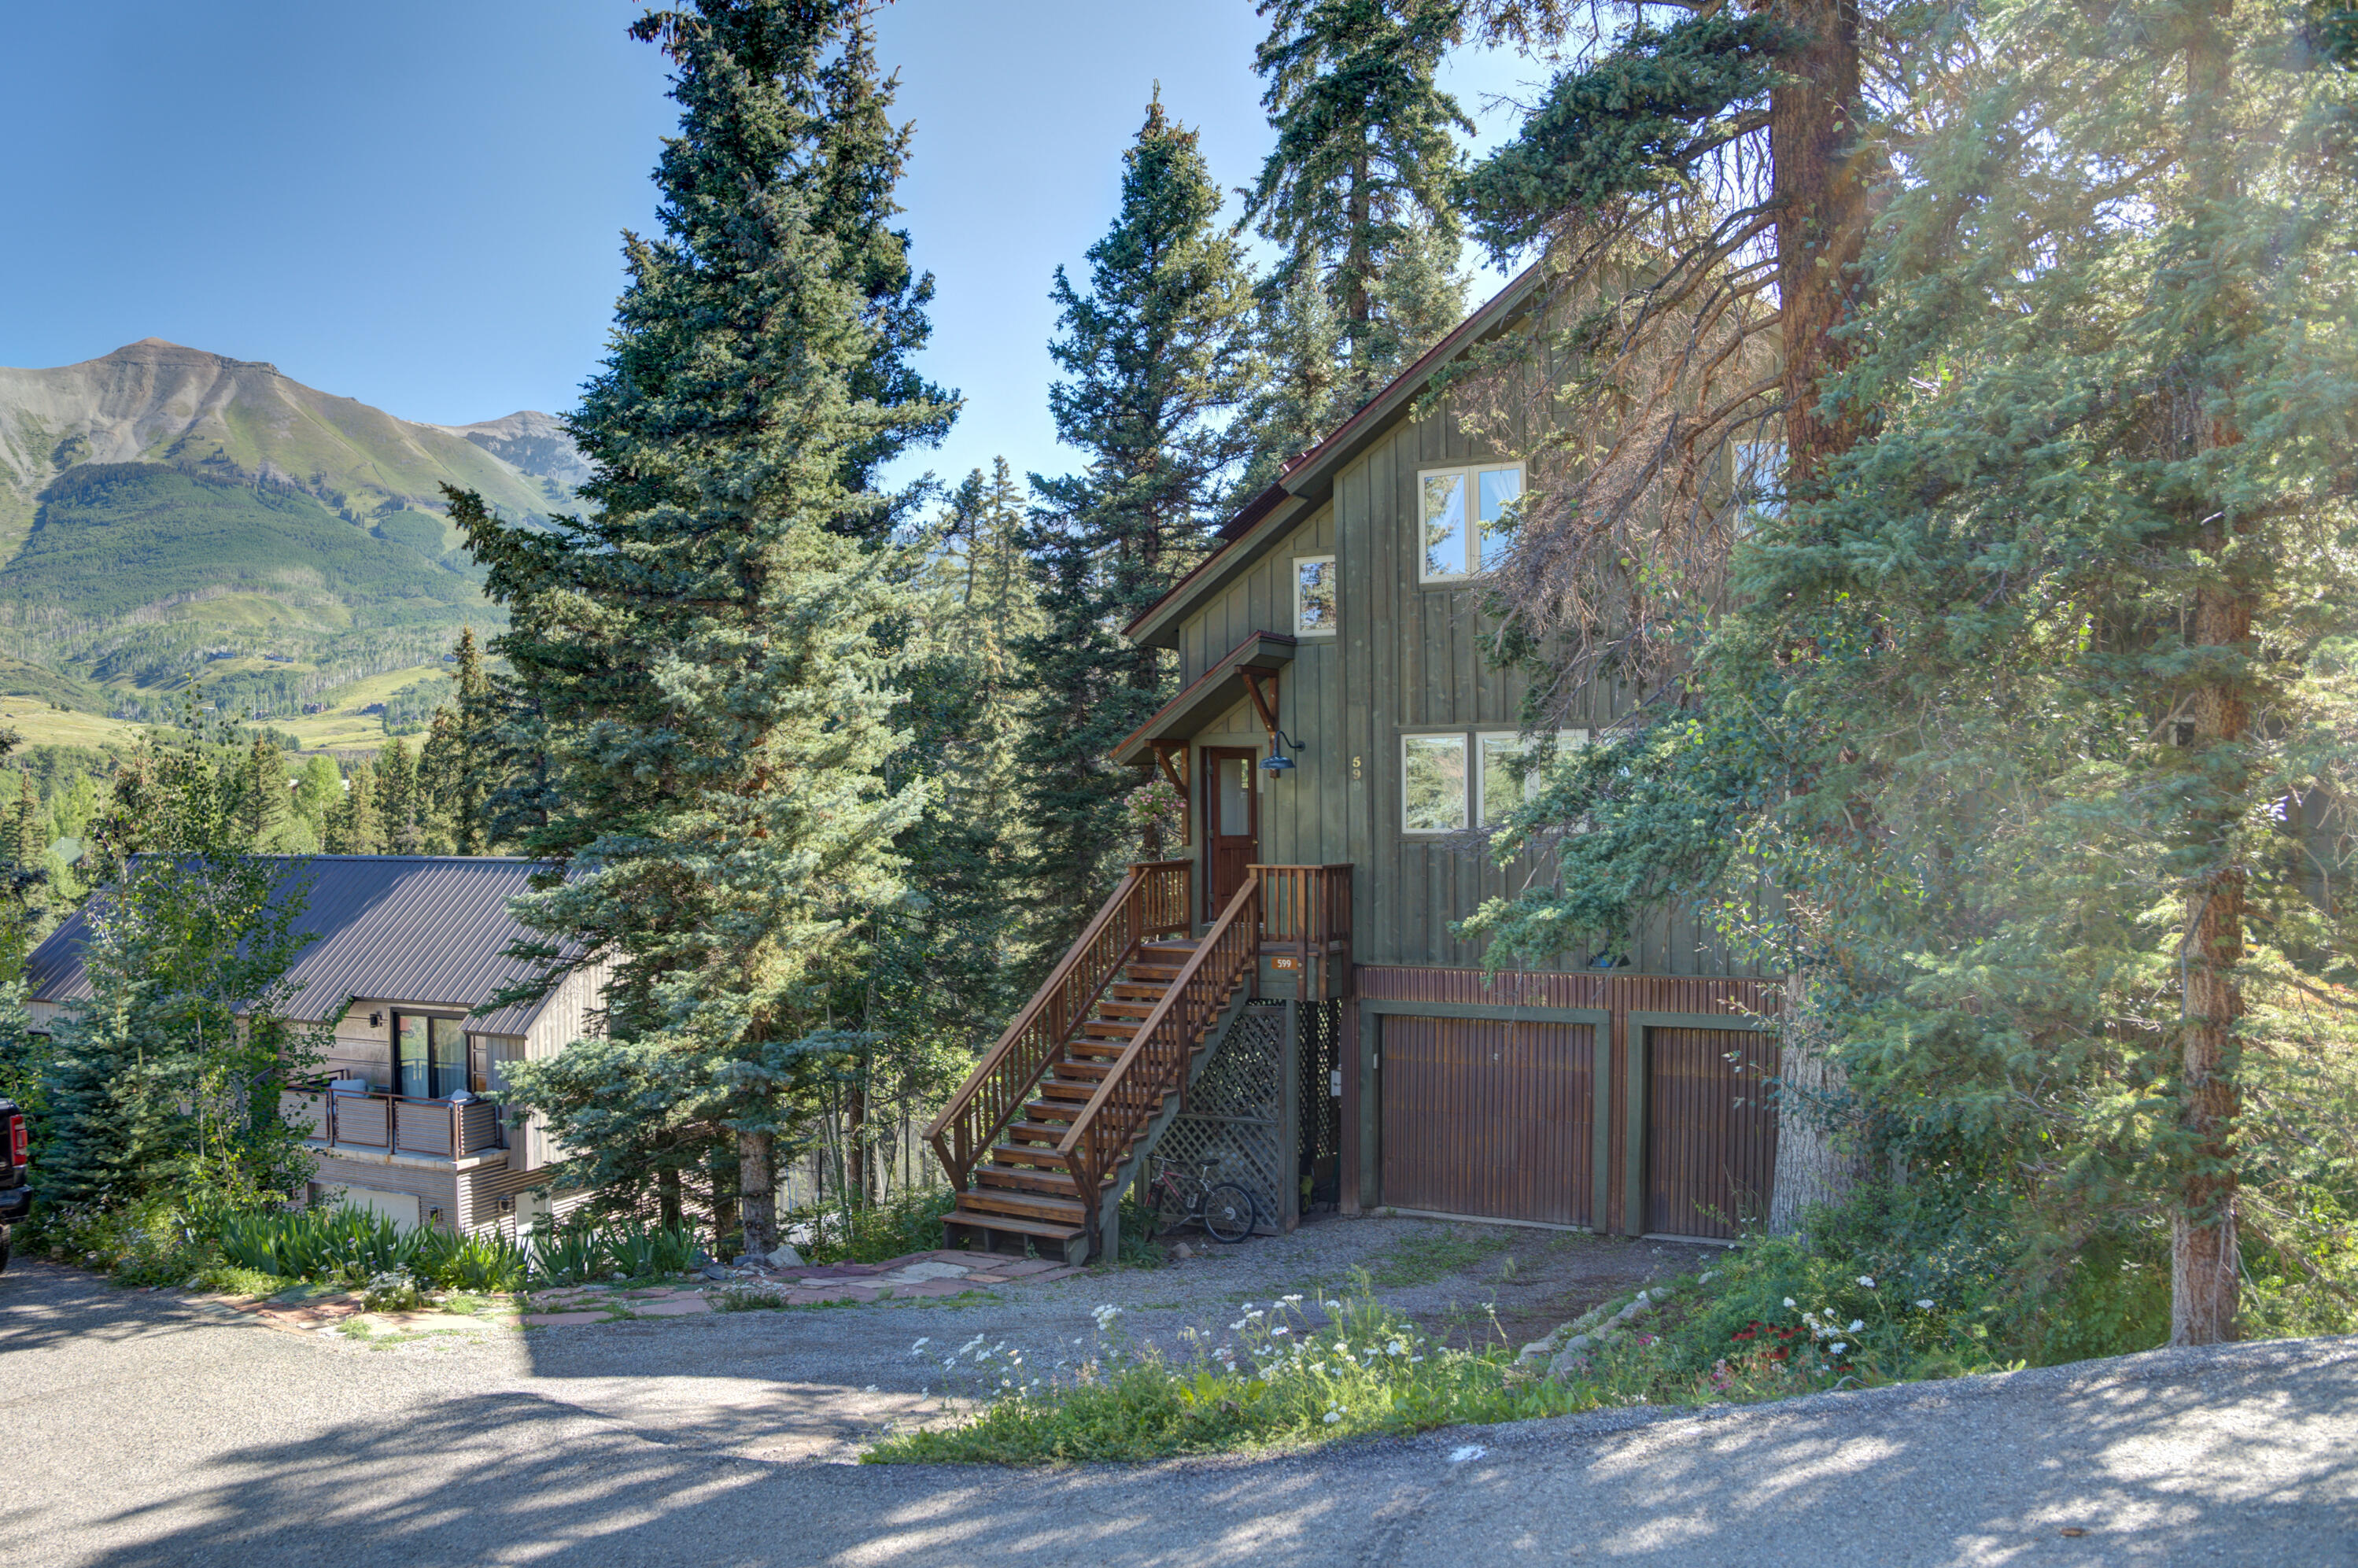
[1277, 762]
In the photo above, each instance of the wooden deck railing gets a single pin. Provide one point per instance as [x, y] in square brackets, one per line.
[398, 1124]
[1154, 1065]
[1152, 901]
[1306, 916]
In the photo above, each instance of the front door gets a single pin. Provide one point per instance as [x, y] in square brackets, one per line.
[1231, 823]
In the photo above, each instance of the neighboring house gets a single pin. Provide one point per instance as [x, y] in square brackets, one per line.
[1340, 738]
[407, 948]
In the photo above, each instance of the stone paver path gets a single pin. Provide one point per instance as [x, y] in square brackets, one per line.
[912, 1277]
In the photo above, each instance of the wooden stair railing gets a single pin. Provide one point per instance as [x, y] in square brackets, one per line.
[1152, 900]
[1306, 925]
[1155, 1064]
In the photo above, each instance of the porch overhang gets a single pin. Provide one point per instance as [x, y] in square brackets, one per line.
[1209, 696]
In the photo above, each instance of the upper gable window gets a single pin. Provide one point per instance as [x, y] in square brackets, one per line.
[1459, 511]
[1313, 596]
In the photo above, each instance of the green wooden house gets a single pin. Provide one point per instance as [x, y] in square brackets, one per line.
[1339, 739]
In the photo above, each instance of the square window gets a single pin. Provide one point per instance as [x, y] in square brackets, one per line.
[1313, 596]
[1457, 546]
[1500, 752]
[1432, 784]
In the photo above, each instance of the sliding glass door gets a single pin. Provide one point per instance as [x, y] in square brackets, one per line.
[429, 1055]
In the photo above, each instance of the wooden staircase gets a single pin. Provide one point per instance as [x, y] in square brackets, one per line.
[1040, 1141]
[1023, 1195]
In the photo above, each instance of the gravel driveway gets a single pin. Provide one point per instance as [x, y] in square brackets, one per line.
[145, 1429]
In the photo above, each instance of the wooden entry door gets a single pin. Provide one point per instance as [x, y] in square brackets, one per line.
[1485, 1116]
[1231, 823]
[1711, 1143]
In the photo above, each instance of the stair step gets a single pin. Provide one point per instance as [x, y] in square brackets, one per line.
[1179, 944]
[1132, 991]
[1071, 1070]
[1041, 1208]
[1114, 1007]
[1086, 1050]
[1036, 1131]
[1056, 1088]
[1060, 1113]
[1016, 1178]
[1013, 1226]
[1106, 1028]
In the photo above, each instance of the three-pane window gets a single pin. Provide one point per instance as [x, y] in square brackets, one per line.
[1313, 596]
[1462, 514]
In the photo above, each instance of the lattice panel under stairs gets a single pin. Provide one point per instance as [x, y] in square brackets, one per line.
[1235, 1113]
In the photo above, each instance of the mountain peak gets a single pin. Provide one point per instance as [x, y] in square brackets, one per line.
[163, 350]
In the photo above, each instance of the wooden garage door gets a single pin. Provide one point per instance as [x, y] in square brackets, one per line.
[1711, 1143]
[1487, 1118]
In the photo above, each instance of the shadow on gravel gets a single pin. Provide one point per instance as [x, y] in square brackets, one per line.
[45, 1304]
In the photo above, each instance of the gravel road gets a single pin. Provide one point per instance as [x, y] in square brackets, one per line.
[144, 1428]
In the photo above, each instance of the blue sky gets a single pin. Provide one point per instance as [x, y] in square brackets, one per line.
[419, 205]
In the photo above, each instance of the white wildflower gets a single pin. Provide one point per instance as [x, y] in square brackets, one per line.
[1280, 1329]
[1857, 1323]
[1789, 1301]
[1837, 1347]
[923, 1341]
[1333, 1416]
[1925, 1301]
[1868, 1281]
[1293, 1300]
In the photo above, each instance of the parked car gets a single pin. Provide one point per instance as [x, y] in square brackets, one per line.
[16, 1177]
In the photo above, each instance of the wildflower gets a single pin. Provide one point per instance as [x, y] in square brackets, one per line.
[1396, 1349]
[1925, 1301]
[870, 1389]
[1342, 1347]
[1779, 1353]
[1281, 1328]
[1868, 1281]
[1333, 1416]
[1415, 1359]
[1789, 1301]
[1293, 1300]
[921, 1341]
[1857, 1323]
[1837, 1347]
[1319, 1367]
[1745, 1334]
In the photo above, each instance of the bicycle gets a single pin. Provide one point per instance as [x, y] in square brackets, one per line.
[1226, 1210]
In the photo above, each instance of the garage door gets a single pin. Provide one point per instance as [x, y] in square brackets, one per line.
[1711, 1144]
[1488, 1118]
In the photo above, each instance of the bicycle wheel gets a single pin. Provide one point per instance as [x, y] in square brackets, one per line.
[1228, 1213]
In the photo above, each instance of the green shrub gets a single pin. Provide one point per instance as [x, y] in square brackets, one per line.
[908, 1221]
[394, 1290]
[228, 1279]
[567, 1257]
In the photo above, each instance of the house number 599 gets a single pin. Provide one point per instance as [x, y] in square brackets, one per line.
[1354, 767]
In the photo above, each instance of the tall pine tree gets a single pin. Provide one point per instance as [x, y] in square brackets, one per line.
[698, 656]
[1358, 190]
[1154, 360]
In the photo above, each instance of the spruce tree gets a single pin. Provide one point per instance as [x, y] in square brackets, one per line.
[396, 799]
[355, 827]
[26, 846]
[1154, 360]
[262, 797]
[714, 707]
[1360, 180]
[854, 175]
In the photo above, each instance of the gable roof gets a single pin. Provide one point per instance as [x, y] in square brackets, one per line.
[431, 929]
[1260, 523]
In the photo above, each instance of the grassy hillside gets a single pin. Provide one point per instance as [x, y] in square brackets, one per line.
[112, 537]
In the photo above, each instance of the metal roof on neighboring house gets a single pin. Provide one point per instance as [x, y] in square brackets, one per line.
[430, 929]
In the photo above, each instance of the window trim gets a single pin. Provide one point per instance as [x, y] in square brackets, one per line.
[1334, 618]
[1470, 472]
[1564, 740]
[1465, 802]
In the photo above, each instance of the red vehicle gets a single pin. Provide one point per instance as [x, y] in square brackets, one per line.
[16, 1177]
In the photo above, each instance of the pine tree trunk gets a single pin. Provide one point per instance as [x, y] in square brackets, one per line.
[724, 1213]
[2203, 1264]
[1820, 223]
[2204, 1258]
[1817, 1162]
[757, 1192]
[668, 1199]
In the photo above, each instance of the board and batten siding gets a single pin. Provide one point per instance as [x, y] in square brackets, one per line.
[1407, 658]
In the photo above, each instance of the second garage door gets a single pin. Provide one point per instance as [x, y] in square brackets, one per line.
[1484, 1117]
[1711, 1147]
